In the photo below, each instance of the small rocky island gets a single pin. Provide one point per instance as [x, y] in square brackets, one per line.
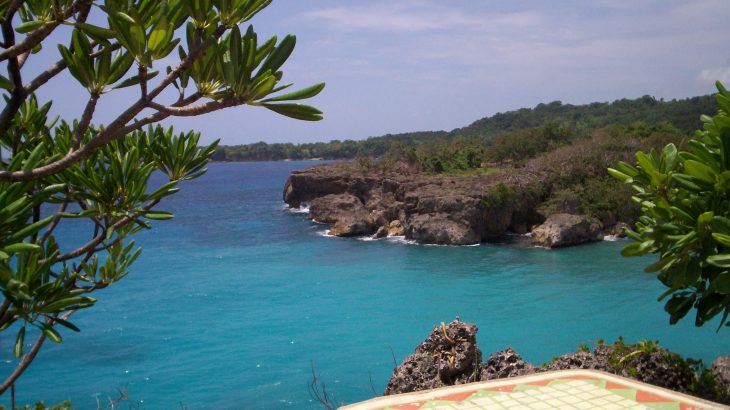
[438, 209]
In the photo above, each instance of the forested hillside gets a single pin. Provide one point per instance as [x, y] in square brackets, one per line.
[555, 121]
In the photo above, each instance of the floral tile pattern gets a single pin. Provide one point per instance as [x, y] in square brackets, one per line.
[570, 390]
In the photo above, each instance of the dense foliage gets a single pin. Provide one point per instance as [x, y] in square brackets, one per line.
[55, 170]
[684, 197]
[520, 130]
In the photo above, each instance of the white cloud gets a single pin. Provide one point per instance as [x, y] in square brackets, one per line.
[710, 75]
[409, 16]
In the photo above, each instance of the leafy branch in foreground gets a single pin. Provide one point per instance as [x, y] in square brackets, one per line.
[685, 202]
[55, 170]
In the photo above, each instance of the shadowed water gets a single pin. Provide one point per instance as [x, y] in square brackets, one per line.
[233, 299]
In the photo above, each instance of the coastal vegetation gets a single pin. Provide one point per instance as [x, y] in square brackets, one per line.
[53, 171]
[565, 121]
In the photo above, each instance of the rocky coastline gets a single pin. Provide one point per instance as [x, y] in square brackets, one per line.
[450, 355]
[429, 209]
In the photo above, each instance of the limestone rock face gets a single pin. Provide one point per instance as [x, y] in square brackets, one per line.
[506, 363]
[618, 229]
[382, 232]
[395, 228]
[566, 229]
[345, 211]
[427, 208]
[441, 229]
[448, 356]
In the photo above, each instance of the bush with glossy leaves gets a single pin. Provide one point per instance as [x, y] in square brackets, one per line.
[685, 204]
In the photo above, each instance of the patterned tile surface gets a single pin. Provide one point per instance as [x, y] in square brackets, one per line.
[570, 390]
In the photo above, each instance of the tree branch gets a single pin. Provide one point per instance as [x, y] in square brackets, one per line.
[115, 129]
[98, 239]
[54, 223]
[85, 121]
[190, 111]
[60, 65]
[158, 116]
[36, 36]
[28, 358]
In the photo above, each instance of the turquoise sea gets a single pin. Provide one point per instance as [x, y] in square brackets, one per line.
[233, 300]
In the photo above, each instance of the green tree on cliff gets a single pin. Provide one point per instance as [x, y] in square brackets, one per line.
[685, 202]
[55, 170]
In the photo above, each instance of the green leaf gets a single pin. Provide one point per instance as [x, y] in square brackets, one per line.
[160, 35]
[280, 54]
[21, 247]
[687, 182]
[661, 264]
[619, 175]
[722, 283]
[96, 32]
[721, 224]
[65, 304]
[30, 229]
[722, 238]
[296, 111]
[126, 17]
[67, 324]
[158, 215]
[645, 162]
[6, 84]
[52, 334]
[135, 80]
[700, 170]
[28, 26]
[18, 349]
[669, 157]
[678, 306]
[304, 93]
[722, 260]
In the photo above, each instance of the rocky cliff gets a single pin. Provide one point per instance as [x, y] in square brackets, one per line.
[453, 210]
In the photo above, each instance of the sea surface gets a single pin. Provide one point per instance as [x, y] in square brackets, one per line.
[235, 300]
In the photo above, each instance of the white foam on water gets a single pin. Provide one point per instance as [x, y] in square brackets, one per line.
[611, 238]
[303, 209]
[325, 233]
[366, 238]
[401, 240]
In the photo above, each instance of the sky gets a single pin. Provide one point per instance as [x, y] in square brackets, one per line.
[413, 65]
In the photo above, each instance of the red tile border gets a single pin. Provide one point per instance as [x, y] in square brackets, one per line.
[456, 396]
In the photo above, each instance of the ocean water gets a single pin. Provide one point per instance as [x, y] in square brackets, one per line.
[232, 302]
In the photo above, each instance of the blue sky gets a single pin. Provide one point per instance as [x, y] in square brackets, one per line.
[408, 65]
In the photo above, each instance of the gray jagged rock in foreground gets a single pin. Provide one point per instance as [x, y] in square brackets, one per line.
[505, 363]
[721, 370]
[450, 355]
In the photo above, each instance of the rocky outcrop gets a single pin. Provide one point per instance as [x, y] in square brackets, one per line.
[566, 230]
[505, 363]
[428, 209]
[395, 228]
[448, 356]
[345, 211]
